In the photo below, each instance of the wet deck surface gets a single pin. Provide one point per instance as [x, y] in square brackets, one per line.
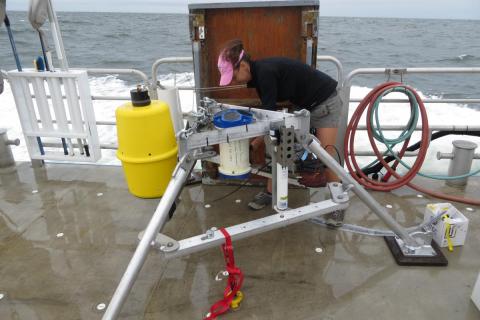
[68, 232]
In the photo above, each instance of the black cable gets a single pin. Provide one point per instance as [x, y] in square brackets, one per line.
[336, 151]
[240, 186]
[375, 169]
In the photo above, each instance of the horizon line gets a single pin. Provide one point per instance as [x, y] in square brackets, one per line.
[325, 16]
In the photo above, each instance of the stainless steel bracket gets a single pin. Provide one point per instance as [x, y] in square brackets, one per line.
[424, 247]
[338, 193]
[285, 149]
[162, 242]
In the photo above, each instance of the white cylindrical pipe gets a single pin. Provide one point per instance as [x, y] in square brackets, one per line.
[282, 187]
[234, 159]
[171, 97]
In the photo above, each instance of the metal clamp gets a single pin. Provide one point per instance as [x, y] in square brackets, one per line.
[338, 193]
[424, 247]
[395, 71]
[209, 234]
[285, 149]
[162, 242]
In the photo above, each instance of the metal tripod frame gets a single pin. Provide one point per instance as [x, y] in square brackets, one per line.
[193, 147]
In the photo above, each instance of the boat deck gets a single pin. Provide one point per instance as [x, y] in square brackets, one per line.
[67, 233]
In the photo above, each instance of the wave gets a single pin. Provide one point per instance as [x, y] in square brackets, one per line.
[461, 58]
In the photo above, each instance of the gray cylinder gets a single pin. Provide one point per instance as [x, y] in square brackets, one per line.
[6, 156]
[461, 163]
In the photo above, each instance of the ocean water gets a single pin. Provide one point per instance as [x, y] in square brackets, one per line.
[133, 40]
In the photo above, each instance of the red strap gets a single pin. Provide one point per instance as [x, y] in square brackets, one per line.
[235, 280]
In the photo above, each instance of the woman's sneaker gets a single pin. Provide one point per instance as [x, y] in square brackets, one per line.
[260, 201]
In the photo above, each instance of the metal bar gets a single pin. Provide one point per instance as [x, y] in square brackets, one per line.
[111, 98]
[12, 42]
[254, 227]
[436, 101]
[339, 66]
[256, 129]
[309, 55]
[365, 153]
[108, 98]
[398, 71]
[432, 128]
[52, 157]
[135, 72]
[291, 181]
[159, 62]
[105, 146]
[389, 71]
[155, 225]
[314, 146]
[274, 161]
[466, 101]
[100, 123]
[185, 88]
[110, 146]
[57, 36]
[196, 68]
[57, 134]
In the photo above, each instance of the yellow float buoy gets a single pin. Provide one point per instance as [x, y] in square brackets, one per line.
[146, 144]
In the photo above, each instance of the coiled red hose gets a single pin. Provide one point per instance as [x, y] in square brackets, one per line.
[399, 181]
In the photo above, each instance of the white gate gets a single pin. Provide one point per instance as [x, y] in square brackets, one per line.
[47, 119]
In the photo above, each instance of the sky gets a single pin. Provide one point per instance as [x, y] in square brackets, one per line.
[434, 9]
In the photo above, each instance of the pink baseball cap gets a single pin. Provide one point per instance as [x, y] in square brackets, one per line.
[226, 68]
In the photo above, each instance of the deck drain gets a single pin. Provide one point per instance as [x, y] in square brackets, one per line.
[318, 250]
[207, 206]
[101, 306]
[60, 235]
[389, 206]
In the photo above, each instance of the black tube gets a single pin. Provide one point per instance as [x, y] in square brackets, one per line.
[64, 144]
[44, 51]
[12, 43]
[436, 135]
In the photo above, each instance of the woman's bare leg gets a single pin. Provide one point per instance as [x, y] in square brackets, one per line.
[269, 185]
[328, 137]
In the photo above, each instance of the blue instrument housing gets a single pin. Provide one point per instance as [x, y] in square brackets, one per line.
[232, 118]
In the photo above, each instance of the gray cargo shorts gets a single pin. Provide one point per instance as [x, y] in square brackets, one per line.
[327, 113]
